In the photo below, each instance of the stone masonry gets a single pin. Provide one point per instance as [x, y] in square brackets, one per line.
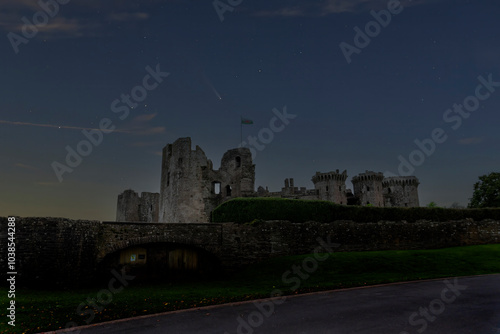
[190, 188]
[54, 252]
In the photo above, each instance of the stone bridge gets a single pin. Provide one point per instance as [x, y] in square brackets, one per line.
[57, 251]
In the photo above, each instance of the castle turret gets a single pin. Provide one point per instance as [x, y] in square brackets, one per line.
[401, 191]
[331, 186]
[368, 188]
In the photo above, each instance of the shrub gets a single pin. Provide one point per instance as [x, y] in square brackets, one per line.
[247, 210]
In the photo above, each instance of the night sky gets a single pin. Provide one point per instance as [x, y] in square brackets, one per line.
[361, 112]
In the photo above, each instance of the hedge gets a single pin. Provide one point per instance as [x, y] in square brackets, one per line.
[245, 210]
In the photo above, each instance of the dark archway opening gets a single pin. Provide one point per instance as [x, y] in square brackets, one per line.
[161, 262]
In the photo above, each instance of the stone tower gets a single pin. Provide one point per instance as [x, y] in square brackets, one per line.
[134, 208]
[368, 188]
[331, 186]
[401, 191]
[191, 189]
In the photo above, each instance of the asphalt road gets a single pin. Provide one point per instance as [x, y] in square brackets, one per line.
[458, 306]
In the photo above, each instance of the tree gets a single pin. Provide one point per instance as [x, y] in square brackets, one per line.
[432, 205]
[486, 192]
[456, 205]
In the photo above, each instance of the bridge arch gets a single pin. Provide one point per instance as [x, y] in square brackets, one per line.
[148, 258]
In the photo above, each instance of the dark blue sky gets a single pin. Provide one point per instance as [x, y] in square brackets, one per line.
[358, 116]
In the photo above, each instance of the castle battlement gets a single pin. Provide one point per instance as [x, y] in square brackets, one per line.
[190, 188]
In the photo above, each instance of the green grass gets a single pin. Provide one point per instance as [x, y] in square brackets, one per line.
[39, 310]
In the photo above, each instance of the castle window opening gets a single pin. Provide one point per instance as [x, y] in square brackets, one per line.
[238, 162]
[228, 190]
[168, 179]
[326, 188]
[216, 188]
[340, 189]
[367, 188]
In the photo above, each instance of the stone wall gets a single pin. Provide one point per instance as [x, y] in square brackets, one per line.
[368, 188]
[401, 191]
[191, 189]
[331, 186]
[56, 251]
[131, 207]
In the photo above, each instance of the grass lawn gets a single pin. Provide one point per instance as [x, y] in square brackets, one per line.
[39, 310]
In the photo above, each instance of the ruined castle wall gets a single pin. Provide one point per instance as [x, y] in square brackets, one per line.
[149, 205]
[127, 207]
[238, 171]
[134, 208]
[182, 186]
[191, 189]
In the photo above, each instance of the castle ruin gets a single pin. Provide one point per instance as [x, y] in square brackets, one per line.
[190, 188]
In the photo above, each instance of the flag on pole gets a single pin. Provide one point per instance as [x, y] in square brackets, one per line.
[246, 121]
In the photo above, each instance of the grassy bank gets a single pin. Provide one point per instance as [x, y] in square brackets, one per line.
[38, 310]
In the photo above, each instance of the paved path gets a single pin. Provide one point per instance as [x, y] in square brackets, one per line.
[457, 306]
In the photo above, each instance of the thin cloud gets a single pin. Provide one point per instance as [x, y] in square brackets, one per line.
[145, 117]
[284, 12]
[471, 140]
[330, 7]
[151, 131]
[76, 19]
[128, 16]
[47, 184]
[57, 126]
[144, 144]
[23, 166]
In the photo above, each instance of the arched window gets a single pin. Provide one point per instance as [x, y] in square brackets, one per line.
[238, 162]
[228, 190]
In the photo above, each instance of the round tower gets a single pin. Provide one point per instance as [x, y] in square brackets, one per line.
[401, 191]
[331, 186]
[368, 188]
